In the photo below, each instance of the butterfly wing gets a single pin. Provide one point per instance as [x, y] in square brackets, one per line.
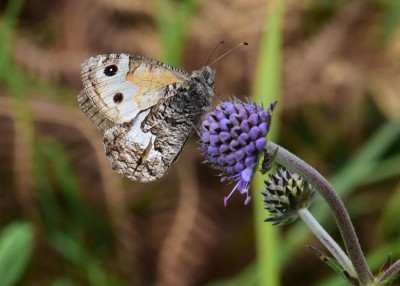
[145, 148]
[118, 86]
[131, 151]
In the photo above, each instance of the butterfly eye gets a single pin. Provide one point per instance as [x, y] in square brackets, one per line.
[118, 97]
[110, 70]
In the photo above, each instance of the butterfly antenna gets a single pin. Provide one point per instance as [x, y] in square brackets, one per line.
[213, 52]
[228, 52]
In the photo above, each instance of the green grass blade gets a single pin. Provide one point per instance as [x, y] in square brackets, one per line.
[246, 277]
[173, 21]
[267, 88]
[63, 282]
[391, 19]
[385, 169]
[390, 220]
[16, 244]
[7, 22]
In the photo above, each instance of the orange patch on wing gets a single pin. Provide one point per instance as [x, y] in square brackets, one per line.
[149, 78]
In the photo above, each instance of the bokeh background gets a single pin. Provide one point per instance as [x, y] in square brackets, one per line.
[67, 219]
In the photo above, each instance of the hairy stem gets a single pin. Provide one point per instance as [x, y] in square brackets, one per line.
[295, 164]
[327, 241]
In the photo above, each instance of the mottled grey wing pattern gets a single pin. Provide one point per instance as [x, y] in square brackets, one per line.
[118, 86]
[92, 112]
[144, 147]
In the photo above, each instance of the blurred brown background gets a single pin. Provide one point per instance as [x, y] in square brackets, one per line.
[340, 84]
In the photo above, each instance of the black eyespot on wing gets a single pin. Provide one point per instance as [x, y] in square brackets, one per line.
[110, 70]
[118, 97]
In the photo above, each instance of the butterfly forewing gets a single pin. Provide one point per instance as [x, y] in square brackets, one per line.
[121, 85]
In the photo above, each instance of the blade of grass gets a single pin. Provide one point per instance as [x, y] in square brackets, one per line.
[385, 169]
[69, 225]
[245, 277]
[391, 19]
[173, 21]
[267, 88]
[16, 244]
[7, 22]
[16, 85]
[63, 282]
[390, 220]
[50, 210]
[54, 171]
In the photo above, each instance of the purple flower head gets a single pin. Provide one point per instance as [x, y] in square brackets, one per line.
[233, 138]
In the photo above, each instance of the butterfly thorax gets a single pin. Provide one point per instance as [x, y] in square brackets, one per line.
[201, 87]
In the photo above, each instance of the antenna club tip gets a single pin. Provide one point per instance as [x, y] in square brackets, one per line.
[226, 53]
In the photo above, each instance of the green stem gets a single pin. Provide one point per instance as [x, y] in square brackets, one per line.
[327, 241]
[295, 164]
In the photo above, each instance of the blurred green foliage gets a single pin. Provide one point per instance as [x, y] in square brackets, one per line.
[16, 244]
[174, 25]
[267, 88]
[67, 219]
[390, 19]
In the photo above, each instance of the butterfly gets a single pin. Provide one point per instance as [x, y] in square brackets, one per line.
[146, 110]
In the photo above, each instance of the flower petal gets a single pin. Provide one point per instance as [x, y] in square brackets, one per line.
[260, 143]
[254, 133]
[246, 174]
[224, 136]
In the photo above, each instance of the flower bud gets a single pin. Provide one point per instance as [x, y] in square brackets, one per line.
[285, 194]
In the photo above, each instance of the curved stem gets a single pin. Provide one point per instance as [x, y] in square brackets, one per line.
[295, 164]
[327, 241]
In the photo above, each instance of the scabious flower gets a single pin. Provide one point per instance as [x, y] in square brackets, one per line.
[285, 194]
[233, 138]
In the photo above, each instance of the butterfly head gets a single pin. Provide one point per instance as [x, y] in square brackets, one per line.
[205, 74]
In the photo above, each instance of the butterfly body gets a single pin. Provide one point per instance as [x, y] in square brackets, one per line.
[146, 109]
